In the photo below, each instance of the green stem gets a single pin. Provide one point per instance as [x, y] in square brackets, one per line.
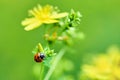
[41, 71]
[52, 67]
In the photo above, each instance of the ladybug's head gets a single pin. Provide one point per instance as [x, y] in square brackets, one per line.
[42, 56]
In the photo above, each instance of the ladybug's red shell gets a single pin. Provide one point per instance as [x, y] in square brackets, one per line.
[37, 57]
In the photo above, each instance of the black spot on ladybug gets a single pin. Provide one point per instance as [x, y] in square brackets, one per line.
[42, 56]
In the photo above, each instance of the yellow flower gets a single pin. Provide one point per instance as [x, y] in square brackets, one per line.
[103, 67]
[42, 15]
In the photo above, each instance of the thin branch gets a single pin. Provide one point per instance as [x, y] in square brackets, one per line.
[53, 66]
[41, 71]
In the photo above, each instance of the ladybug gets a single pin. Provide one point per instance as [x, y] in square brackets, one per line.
[39, 57]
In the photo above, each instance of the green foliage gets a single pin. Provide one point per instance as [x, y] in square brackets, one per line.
[73, 19]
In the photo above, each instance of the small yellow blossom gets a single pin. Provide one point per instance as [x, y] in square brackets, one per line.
[103, 67]
[42, 15]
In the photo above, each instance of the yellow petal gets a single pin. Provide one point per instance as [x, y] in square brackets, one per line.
[36, 10]
[39, 7]
[47, 9]
[51, 21]
[103, 64]
[32, 26]
[116, 72]
[31, 12]
[60, 15]
[90, 71]
[113, 49]
[28, 21]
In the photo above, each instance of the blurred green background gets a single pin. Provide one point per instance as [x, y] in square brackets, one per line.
[100, 23]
